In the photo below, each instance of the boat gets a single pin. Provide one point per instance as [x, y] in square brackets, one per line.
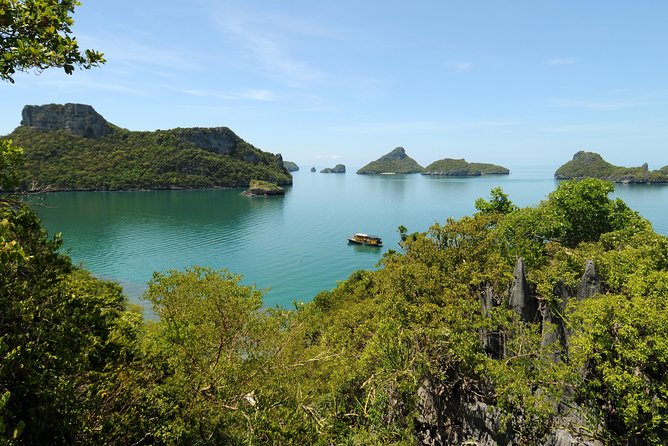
[365, 239]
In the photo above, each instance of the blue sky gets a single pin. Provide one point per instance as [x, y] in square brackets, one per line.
[510, 82]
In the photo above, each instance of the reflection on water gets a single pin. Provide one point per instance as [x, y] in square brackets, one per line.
[295, 245]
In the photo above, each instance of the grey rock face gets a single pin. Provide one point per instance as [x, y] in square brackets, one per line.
[79, 119]
[398, 153]
[215, 139]
[590, 283]
[521, 299]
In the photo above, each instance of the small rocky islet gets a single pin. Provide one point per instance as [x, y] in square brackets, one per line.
[339, 168]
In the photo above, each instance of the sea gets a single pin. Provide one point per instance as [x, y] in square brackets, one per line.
[291, 246]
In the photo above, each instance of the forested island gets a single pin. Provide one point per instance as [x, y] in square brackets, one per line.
[460, 167]
[394, 162]
[72, 147]
[592, 165]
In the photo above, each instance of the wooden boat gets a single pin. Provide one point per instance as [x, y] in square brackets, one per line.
[365, 239]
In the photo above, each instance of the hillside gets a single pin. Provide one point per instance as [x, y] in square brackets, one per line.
[592, 165]
[460, 167]
[394, 162]
[71, 147]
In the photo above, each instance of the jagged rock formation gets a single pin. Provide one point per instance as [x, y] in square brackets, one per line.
[452, 415]
[592, 165]
[291, 166]
[72, 147]
[521, 299]
[78, 119]
[460, 167]
[339, 168]
[394, 162]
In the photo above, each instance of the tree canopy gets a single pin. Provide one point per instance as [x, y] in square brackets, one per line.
[37, 34]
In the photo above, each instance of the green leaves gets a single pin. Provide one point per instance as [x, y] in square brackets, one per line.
[35, 34]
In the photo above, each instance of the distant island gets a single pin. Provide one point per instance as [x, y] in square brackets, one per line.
[339, 168]
[460, 167]
[291, 166]
[394, 162]
[72, 147]
[592, 165]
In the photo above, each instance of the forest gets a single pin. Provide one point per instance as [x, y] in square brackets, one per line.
[431, 348]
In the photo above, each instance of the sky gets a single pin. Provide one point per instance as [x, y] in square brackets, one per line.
[516, 82]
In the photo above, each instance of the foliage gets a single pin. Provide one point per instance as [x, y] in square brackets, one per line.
[36, 34]
[460, 167]
[384, 358]
[139, 160]
[592, 165]
[10, 163]
[394, 162]
[60, 344]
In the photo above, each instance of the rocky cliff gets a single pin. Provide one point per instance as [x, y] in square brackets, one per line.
[78, 119]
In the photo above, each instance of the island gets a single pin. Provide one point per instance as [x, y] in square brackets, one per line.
[460, 167]
[72, 147]
[394, 162]
[339, 168]
[291, 166]
[312, 169]
[592, 165]
[263, 188]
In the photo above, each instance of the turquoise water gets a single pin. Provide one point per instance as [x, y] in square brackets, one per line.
[295, 245]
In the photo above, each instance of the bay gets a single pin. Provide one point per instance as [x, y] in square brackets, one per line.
[294, 246]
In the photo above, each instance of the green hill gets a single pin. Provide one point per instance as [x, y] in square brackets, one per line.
[394, 162]
[75, 149]
[592, 165]
[460, 167]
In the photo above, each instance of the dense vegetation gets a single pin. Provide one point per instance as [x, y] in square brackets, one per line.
[394, 162]
[37, 34]
[592, 165]
[399, 355]
[59, 160]
[461, 167]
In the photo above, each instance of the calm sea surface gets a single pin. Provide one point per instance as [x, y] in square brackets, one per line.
[294, 245]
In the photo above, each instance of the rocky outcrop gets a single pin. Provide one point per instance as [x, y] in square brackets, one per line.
[220, 140]
[339, 168]
[453, 415]
[522, 301]
[312, 169]
[263, 188]
[590, 284]
[291, 166]
[78, 119]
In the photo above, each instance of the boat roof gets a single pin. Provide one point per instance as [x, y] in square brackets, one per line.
[360, 234]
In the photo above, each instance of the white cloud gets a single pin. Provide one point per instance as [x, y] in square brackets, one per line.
[462, 67]
[562, 61]
[605, 105]
[252, 94]
[328, 157]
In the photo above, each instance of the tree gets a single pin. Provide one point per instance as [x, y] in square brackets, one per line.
[36, 34]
